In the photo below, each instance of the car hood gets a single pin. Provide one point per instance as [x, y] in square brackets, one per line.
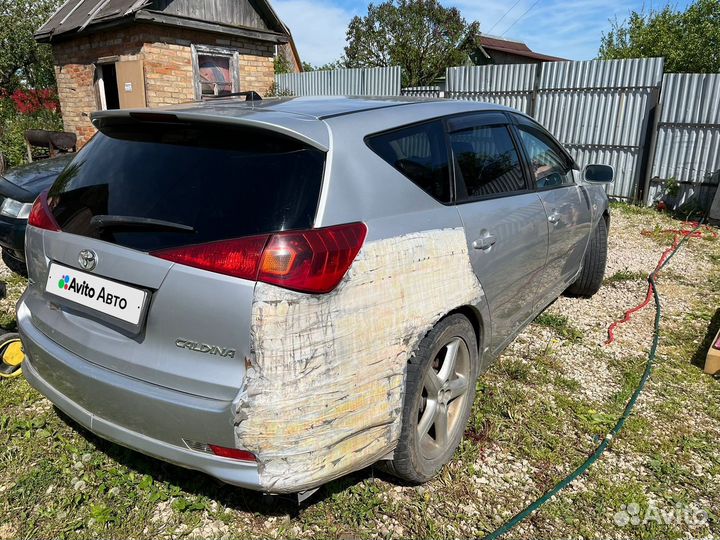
[25, 182]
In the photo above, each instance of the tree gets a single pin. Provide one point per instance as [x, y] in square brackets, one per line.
[689, 40]
[281, 64]
[336, 64]
[22, 60]
[421, 36]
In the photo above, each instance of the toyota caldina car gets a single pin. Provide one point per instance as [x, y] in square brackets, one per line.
[278, 293]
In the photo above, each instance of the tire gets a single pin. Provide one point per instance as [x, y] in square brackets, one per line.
[421, 451]
[14, 265]
[593, 270]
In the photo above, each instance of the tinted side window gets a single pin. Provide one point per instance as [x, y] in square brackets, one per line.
[548, 163]
[487, 161]
[419, 152]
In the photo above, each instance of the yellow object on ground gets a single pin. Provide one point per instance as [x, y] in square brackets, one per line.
[712, 362]
[11, 356]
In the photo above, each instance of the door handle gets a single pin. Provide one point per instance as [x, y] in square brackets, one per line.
[484, 242]
[554, 217]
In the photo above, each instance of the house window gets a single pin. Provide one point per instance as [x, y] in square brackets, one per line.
[216, 71]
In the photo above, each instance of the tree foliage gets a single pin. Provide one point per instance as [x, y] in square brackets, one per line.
[337, 64]
[22, 60]
[281, 64]
[421, 36]
[689, 40]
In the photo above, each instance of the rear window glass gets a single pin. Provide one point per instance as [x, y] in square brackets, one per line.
[420, 153]
[221, 183]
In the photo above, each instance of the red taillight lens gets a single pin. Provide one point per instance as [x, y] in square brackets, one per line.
[41, 216]
[311, 261]
[239, 258]
[232, 453]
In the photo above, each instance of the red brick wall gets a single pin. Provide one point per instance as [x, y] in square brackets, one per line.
[167, 57]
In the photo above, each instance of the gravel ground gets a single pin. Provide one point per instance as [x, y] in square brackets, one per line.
[540, 410]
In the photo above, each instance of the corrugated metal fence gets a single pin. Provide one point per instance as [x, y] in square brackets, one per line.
[687, 145]
[341, 82]
[598, 109]
[423, 91]
[512, 85]
[602, 111]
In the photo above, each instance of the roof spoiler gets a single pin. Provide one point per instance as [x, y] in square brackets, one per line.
[316, 137]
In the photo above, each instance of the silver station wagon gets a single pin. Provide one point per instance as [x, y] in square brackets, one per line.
[280, 292]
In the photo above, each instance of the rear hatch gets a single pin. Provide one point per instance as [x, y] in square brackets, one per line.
[137, 191]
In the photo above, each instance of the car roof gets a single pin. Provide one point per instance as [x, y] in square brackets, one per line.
[301, 117]
[317, 107]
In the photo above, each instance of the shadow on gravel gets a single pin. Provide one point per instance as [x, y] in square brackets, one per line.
[200, 484]
[698, 358]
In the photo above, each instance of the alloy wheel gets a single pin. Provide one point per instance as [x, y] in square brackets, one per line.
[445, 389]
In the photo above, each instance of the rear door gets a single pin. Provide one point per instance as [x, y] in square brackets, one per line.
[142, 188]
[566, 204]
[504, 220]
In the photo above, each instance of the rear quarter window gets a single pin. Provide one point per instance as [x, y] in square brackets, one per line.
[222, 182]
[420, 153]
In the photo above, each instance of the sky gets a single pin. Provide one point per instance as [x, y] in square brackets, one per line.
[566, 28]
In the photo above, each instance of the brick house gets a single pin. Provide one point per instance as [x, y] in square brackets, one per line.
[113, 54]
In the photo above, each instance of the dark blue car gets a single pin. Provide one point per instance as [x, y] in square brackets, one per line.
[19, 187]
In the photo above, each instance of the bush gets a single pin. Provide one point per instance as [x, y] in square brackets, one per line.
[23, 110]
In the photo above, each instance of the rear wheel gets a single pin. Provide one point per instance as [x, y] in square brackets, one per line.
[439, 394]
[593, 271]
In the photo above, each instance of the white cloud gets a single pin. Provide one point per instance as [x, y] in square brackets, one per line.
[317, 27]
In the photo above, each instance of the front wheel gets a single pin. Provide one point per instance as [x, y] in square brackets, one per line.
[440, 389]
[593, 270]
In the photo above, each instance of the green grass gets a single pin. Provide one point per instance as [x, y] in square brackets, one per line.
[531, 423]
[561, 325]
[622, 276]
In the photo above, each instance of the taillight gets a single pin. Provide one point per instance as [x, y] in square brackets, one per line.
[239, 258]
[312, 261]
[41, 216]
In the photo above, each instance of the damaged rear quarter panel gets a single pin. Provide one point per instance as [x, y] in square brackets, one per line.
[324, 392]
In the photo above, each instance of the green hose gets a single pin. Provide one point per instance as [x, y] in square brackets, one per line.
[600, 450]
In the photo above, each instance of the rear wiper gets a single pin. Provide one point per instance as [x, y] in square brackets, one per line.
[132, 223]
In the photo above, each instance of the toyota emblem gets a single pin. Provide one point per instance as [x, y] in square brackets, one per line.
[87, 259]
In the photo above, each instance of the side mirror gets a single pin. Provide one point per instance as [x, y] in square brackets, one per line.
[602, 174]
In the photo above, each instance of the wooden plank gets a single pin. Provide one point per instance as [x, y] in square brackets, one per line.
[174, 20]
[229, 12]
[131, 84]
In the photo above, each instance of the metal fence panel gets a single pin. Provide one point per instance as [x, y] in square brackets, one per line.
[341, 82]
[511, 85]
[423, 91]
[687, 146]
[600, 110]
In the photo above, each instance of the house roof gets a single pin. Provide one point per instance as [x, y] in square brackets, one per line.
[76, 16]
[516, 48]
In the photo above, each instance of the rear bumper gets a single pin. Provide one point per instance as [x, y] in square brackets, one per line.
[141, 416]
